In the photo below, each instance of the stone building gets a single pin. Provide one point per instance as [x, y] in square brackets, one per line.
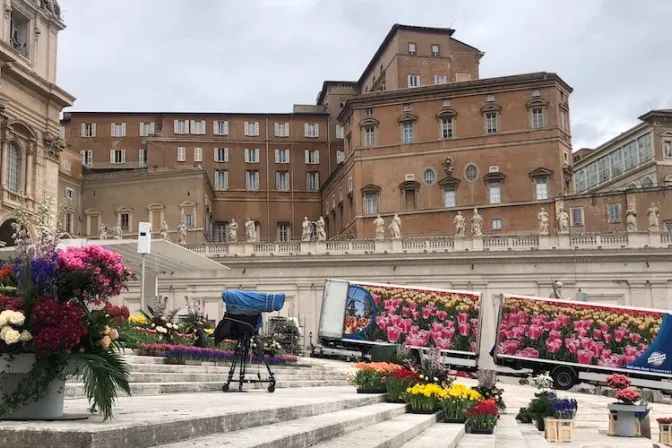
[30, 106]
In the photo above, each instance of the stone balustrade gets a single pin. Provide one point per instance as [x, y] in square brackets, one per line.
[594, 241]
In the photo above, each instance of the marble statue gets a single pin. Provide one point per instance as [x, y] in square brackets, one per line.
[557, 290]
[306, 229]
[182, 233]
[233, 231]
[654, 218]
[563, 222]
[118, 232]
[631, 219]
[477, 224]
[380, 227]
[395, 227]
[542, 218]
[448, 165]
[102, 231]
[165, 231]
[250, 231]
[321, 234]
[459, 224]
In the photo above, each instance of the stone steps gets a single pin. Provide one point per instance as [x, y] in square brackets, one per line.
[440, 435]
[222, 377]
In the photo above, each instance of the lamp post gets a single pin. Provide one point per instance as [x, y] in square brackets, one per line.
[144, 248]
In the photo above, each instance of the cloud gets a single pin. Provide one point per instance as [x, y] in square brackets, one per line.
[266, 55]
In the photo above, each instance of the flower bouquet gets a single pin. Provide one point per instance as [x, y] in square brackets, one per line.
[197, 321]
[369, 376]
[564, 408]
[457, 400]
[55, 322]
[424, 398]
[628, 396]
[618, 381]
[397, 382]
[482, 418]
[161, 319]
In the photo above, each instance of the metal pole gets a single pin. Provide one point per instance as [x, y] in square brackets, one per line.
[142, 284]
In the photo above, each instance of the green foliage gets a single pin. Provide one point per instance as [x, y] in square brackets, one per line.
[524, 416]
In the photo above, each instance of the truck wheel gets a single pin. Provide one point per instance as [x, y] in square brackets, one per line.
[564, 378]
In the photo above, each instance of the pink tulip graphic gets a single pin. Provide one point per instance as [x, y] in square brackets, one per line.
[416, 315]
[585, 356]
[583, 332]
[382, 322]
[630, 350]
[474, 332]
[578, 325]
[405, 311]
[448, 333]
[553, 346]
[414, 330]
[534, 332]
[449, 324]
[444, 344]
[553, 335]
[547, 326]
[436, 326]
[406, 325]
[607, 338]
[464, 328]
[442, 315]
[528, 352]
[564, 320]
[606, 353]
[572, 345]
[393, 334]
[635, 338]
[619, 334]
[643, 347]
[604, 328]
[426, 312]
[509, 334]
[436, 335]
[536, 322]
[513, 319]
[376, 298]
[629, 359]
[412, 306]
[597, 334]
[518, 332]
[462, 318]
[475, 323]
[556, 325]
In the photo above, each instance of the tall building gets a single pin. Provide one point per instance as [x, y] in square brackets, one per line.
[30, 106]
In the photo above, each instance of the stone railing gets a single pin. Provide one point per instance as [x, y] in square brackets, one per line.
[594, 241]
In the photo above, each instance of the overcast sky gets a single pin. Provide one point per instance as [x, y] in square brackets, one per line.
[266, 55]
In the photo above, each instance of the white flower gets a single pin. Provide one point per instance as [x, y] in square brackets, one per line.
[25, 336]
[17, 318]
[4, 330]
[161, 330]
[4, 317]
[436, 379]
[11, 336]
[422, 377]
[169, 325]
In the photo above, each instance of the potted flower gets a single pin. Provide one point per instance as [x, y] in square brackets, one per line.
[369, 376]
[564, 408]
[424, 398]
[457, 400]
[487, 387]
[524, 416]
[559, 427]
[482, 418]
[665, 430]
[396, 383]
[626, 413]
[541, 407]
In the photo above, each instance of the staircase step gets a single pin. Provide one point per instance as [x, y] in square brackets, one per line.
[508, 431]
[444, 435]
[388, 434]
[299, 433]
[219, 378]
[533, 437]
[222, 368]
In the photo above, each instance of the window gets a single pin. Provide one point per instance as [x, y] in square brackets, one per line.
[252, 155]
[413, 80]
[69, 222]
[369, 135]
[87, 158]
[580, 181]
[668, 226]
[447, 127]
[13, 167]
[312, 156]
[647, 182]
[198, 126]
[577, 216]
[88, 130]
[406, 107]
[312, 181]
[67, 165]
[490, 97]
[564, 121]
[188, 219]
[18, 37]
[497, 224]
[470, 172]
[411, 48]
[350, 183]
[449, 197]
[369, 111]
[311, 130]
[536, 93]
[283, 231]
[537, 117]
[446, 103]
[221, 154]
[146, 129]
[340, 194]
[614, 211]
[220, 127]
[117, 156]
[142, 158]
[667, 149]
[251, 128]
[181, 154]
[630, 156]
[495, 192]
[616, 163]
[339, 131]
[603, 169]
[125, 221]
[645, 148]
[370, 203]
[282, 129]
[221, 180]
[181, 127]
[118, 129]
[565, 157]
[221, 232]
[69, 193]
[198, 154]
[407, 132]
[591, 175]
[282, 181]
[282, 156]
[252, 179]
[440, 79]
[436, 50]
[429, 176]
[491, 123]
[541, 188]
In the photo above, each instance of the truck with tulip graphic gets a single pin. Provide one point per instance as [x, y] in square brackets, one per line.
[573, 341]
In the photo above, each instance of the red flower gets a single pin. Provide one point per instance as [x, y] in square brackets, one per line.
[534, 332]
[57, 327]
[9, 303]
[484, 407]
[664, 420]
[628, 396]
[618, 381]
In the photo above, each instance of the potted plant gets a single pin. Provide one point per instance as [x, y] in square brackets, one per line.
[540, 408]
[487, 387]
[369, 376]
[524, 416]
[457, 400]
[560, 427]
[424, 398]
[482, 418]
[397, 382]
[665, 430]
[626, 413]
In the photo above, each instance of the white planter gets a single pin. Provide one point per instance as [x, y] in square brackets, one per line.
[625, 424]
[49, 408]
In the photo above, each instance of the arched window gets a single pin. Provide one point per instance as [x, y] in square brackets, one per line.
[13, 167]
[647, 182]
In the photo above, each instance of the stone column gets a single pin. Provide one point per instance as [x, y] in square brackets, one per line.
[5, 160]
[30, 158]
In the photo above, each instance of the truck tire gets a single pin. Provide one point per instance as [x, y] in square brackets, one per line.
[564, 378]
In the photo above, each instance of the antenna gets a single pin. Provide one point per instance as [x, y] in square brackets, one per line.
[452, 23]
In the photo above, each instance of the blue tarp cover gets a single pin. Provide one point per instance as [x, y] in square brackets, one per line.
[252, 302]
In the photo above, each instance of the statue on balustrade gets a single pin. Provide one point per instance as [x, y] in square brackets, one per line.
[102, 231]
[233, 231]
[250, 231]
[380, 227]
[182, 233]
[165, 231]
[654, 218]
[306, 229]
[631, 219]
[459, 224]
[542, 217]
[319, 226]
[395, 227]
[118, 232]
[563, 222]
[476, 224]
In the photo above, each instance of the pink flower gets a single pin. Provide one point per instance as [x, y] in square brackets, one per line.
[528, 352]
[105, 341]
[553, 335]
[518, 332]
[536, 322]
[534, 332]
[553, 346]
[475, 323]
[513, 318]
[585, 356]
[572, 345]
[382, 322]
[436, 326]
[114, 334]
[405, 311]
[435, 335]
[629, 359]
[444, 344]
[630, 350]
[448, 333]
[442, 315]
[376, 298]
[606, 353]
[464, 328]
[619, 334]
[416, 314]
[583, 332]
[393, 334]
[597, 334]
[412, 306]
[462, 318]
[556, 325]
[474, 332]
[635, 338]
[426, 312]
[607, 338]
[643, 347]
[564, 320]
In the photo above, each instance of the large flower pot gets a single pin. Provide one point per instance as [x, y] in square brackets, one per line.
[624, 422]
[48, 408]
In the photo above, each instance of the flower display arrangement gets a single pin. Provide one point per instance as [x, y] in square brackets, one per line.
[369, 376]
[487, 387]
[196, 321]
[397, 382]
[541, 407]
[179, 354]
[55, 312]
[161, 319]
[424, 398]
[618, 381]
[576, 332]
[628, 396]
[624, 394]
[445, 320]
[482, 418]
[564, 408]
[432, 368]
[456, 401]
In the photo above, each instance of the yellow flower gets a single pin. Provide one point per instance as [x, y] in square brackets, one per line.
[138, 320]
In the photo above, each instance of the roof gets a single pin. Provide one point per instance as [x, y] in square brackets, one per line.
[609, 144]
[68, 115]
[664, 113]
[325, 84]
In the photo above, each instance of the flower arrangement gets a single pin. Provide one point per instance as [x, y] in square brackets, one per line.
[487, 387]
[618, 381]
[396, 383]
[541, 407]
[178, 354]
[369, 376]
[161, 319]
[628, 396]
[424, 398]
[55, 310]
[197, 321]
[483, 416]
[457, 399]
[138, 321]
[524, 416]
[564, 408]
[664, 420]
[432, 369]
[542, 381]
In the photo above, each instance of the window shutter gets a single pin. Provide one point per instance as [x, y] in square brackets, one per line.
[317, 181]
[123, 156]
[307, 181]
[214, 127]
[226, 128]
[247, 154]
[111, 155]
[151, 128]
[226, 155]
[215, 154]
[305, 129]
[142, 129]
[123, 129]
[193, 125]
[176, 124]
[113, 130]
[89, 156]
[83, 153]
[317, 156]
[277, 130]
[83, 129]
[93, 129]
[286, 129]
[307, 155]
[317, 130]
[141, 157]
[277, 154]
[186, 126]
[278, 185]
